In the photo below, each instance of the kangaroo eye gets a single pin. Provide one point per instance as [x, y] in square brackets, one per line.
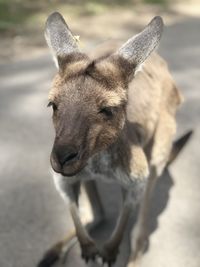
[53, 105]
[107, 111]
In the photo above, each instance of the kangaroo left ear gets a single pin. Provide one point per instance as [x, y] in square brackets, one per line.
[59, 37]
[137, 49]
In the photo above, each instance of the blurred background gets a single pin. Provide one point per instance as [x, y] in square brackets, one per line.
[32, 215]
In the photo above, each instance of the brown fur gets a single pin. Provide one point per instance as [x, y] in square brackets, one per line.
[111, 121]
[152, 101]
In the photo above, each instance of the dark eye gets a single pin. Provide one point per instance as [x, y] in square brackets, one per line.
[107, 111]
[53, 105]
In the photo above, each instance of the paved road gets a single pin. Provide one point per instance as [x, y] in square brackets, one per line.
[32, 215]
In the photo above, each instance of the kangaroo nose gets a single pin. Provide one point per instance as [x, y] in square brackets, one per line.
[66, 154]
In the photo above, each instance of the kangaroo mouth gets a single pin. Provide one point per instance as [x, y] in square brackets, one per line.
[68, 170]
[70, 173]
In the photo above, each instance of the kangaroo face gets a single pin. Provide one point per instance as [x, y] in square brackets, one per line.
[89, 96]
[88, 101]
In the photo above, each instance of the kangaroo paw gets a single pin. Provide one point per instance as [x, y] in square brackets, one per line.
[109, 255]
[89, 251]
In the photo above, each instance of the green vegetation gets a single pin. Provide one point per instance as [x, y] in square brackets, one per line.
[160, 2]
[18, 15]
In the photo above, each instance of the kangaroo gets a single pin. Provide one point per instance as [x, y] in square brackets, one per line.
[113, 122]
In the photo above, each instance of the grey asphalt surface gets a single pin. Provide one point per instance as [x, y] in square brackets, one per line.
[32, 214]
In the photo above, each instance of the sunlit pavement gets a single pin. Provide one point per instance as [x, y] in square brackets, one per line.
[32, 215]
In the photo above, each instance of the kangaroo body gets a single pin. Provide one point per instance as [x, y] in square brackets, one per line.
[156, 103]
[114, 117]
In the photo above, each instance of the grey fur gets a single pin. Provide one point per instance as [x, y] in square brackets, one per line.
[127, 159]
[58, 36]
[140, 46]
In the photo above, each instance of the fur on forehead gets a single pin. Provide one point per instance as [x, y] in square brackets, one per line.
[101, 73]
[103, 96]
[109, 68]
[112, 98]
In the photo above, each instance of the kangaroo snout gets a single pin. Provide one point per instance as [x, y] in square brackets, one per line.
[65, 159]
[66, 154]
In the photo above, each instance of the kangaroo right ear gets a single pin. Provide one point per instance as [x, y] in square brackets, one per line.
[138, 48]
[59, 37]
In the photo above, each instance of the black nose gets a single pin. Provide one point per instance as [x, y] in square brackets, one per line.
[66, 154]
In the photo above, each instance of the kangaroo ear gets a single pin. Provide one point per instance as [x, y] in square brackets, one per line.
[59, 37]
[137, 49]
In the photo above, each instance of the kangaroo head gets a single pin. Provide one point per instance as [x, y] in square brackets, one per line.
[88, 96]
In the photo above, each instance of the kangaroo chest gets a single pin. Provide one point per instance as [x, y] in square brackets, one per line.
[101, 167]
